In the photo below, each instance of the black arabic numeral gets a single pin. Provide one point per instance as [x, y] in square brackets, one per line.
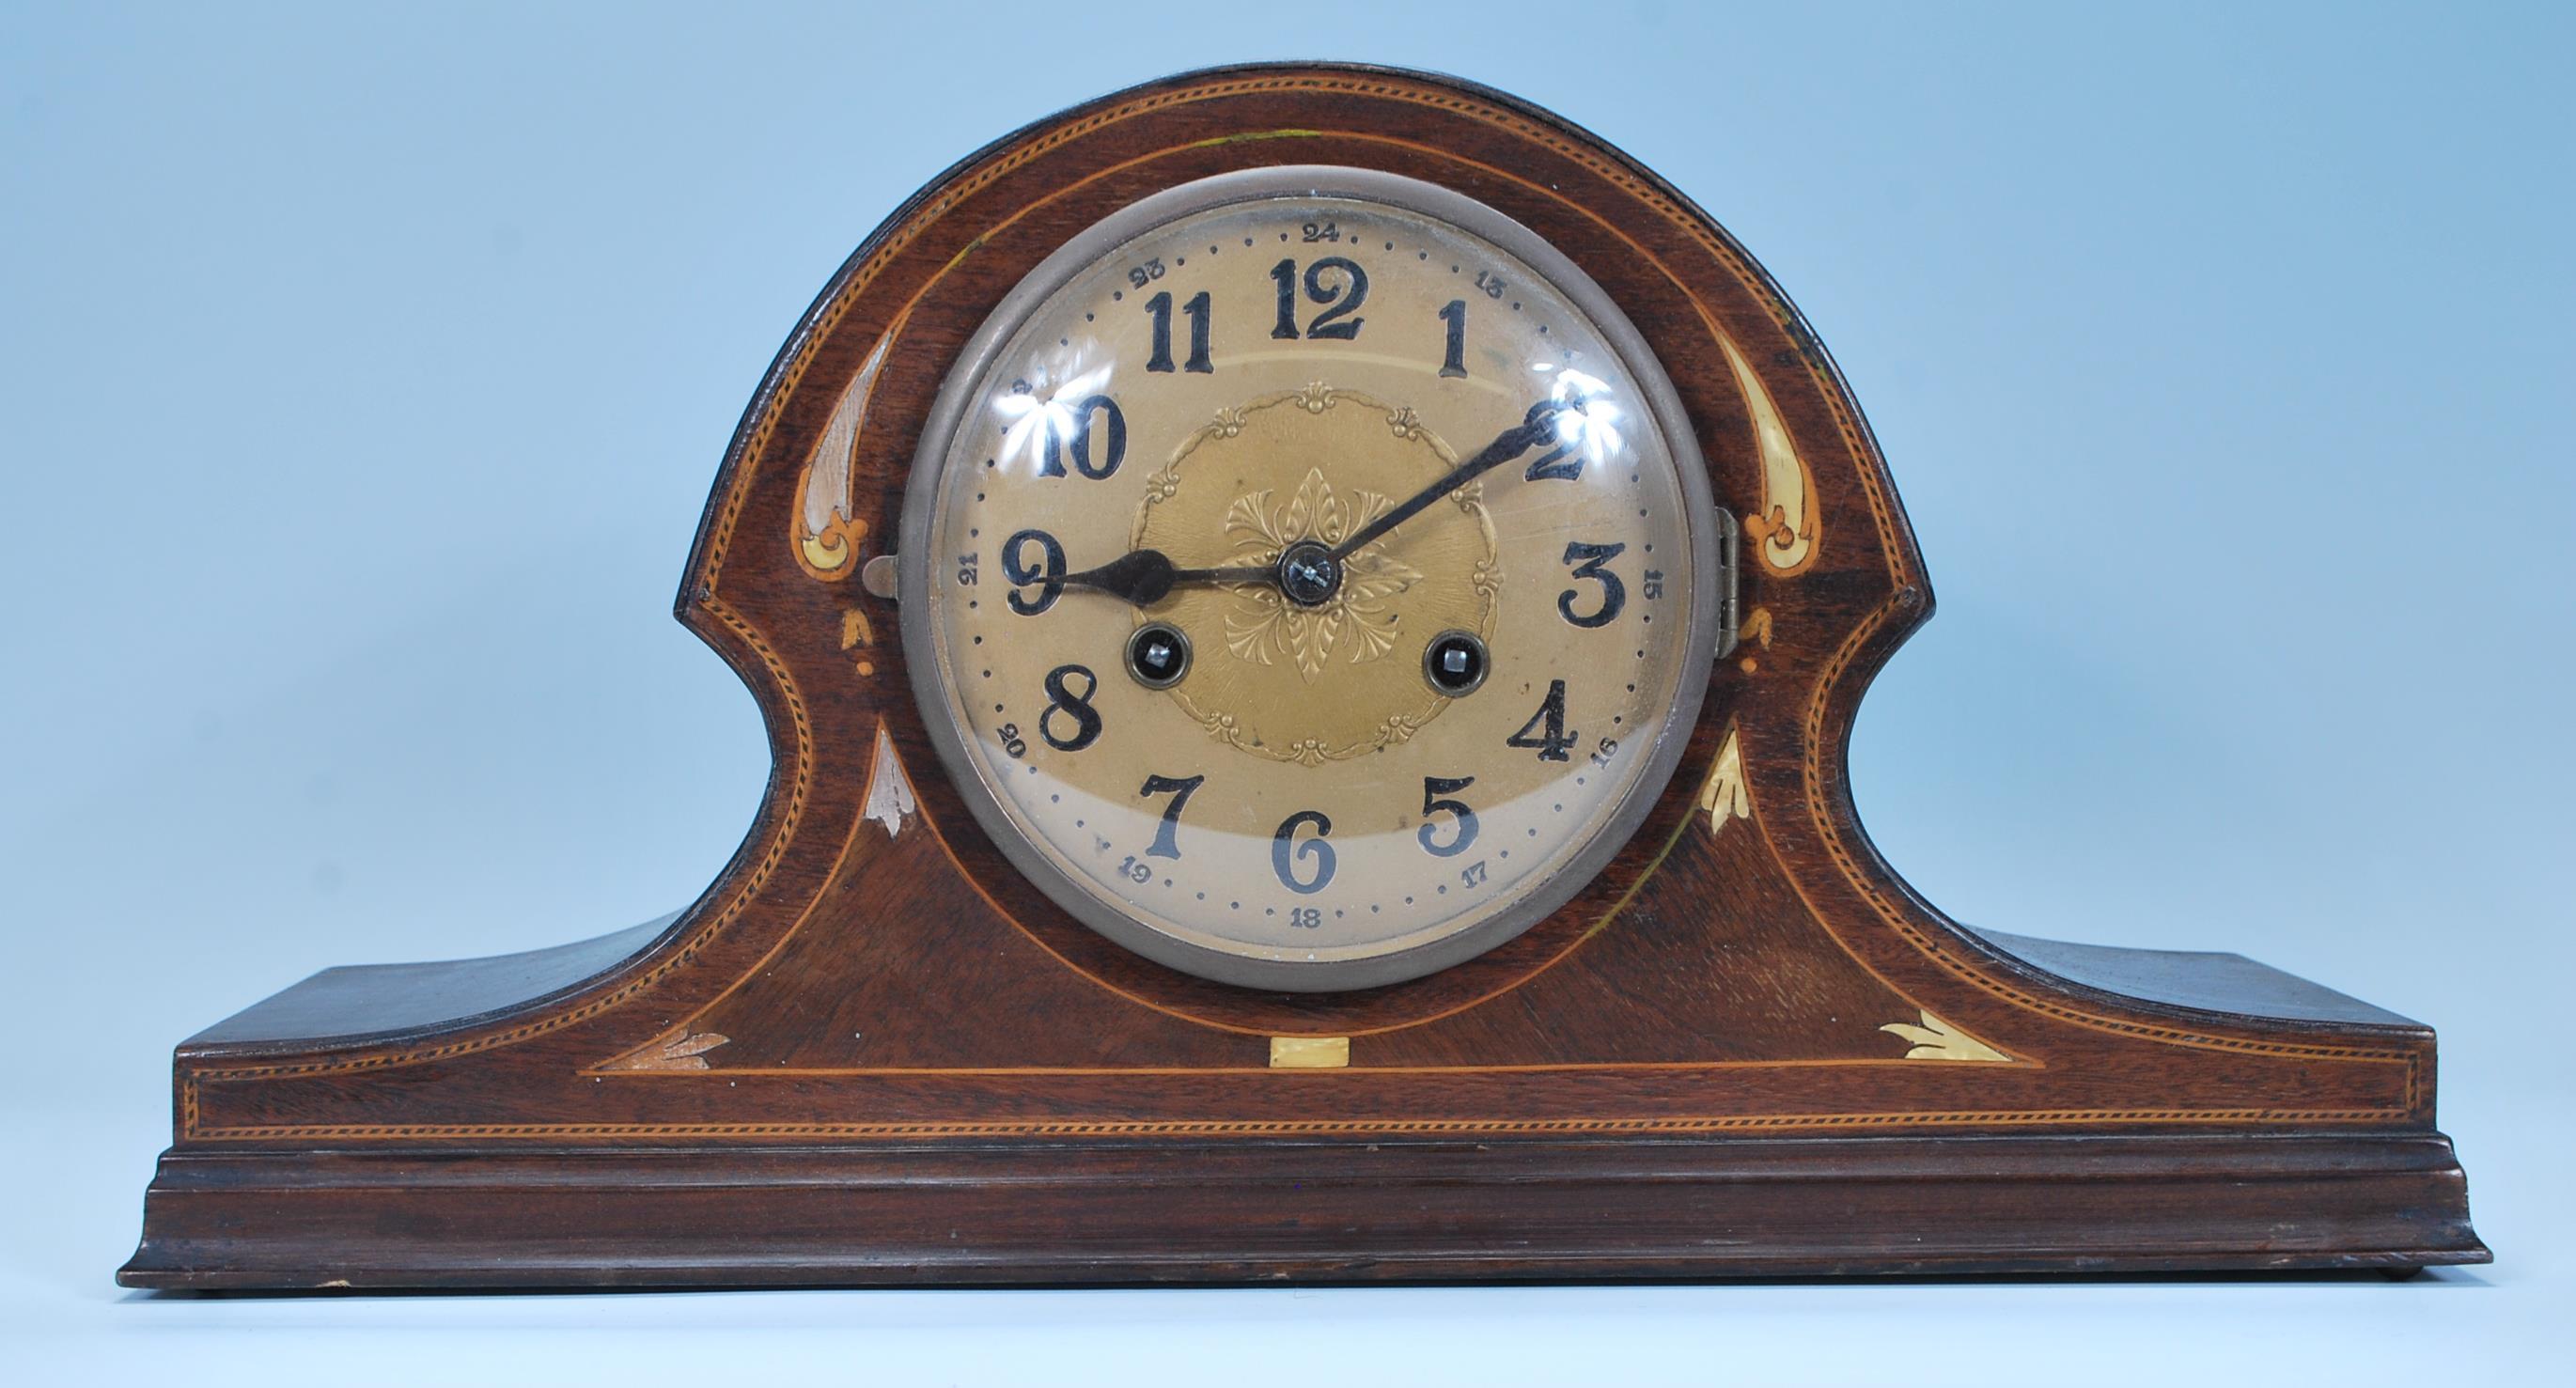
[1453, 357]
[1344, 302]
[1614, 594]
[1340, 301]
[1167, 835]
[1314, 848]
[1549, 723]
[1113, 440]
[1283, 276]
[1114, 444]
[1047, 574]
[1559, 464]
[1197, 311]
[1159, 309]
[1434, 787]
[1061, 700]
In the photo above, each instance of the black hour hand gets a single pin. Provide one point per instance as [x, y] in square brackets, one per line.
[1145, 577]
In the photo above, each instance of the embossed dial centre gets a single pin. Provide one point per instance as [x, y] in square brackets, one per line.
[1285, 477]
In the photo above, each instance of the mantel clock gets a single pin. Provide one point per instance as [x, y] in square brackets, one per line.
[1309, 618]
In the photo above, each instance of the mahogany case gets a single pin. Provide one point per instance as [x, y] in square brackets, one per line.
[870, 1052]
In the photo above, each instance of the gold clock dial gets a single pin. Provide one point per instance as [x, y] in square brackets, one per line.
[1309, 578]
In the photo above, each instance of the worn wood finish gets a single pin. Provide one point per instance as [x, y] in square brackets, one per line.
[871, 1052]
[1757, 1207]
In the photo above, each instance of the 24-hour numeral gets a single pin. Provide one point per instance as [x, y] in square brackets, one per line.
[1095, 461]
[1341, 295]
[1159, 309]
[1046, 574]
[1167, 834]
[1434, 788]
[1588, 560]
[1287, 850]
[1548, 723]
[1075, 708]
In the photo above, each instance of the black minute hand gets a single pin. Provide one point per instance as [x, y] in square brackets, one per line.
[1534, 427]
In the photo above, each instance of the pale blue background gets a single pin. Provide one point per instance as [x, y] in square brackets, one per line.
[362, 373]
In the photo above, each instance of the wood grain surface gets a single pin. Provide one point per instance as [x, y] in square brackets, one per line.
[872, 1052]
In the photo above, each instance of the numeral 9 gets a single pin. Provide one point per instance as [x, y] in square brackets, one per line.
[1047, 575]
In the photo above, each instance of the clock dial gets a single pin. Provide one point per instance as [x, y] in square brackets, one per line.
[1309, 578]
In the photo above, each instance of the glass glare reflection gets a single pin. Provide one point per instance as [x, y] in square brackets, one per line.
[1035, 408]
[1590, 421]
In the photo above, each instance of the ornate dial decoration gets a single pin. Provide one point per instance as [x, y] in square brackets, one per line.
[1309, 578]
[1444, 574]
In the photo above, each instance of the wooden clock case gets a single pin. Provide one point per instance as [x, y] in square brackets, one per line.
[872, 1053]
